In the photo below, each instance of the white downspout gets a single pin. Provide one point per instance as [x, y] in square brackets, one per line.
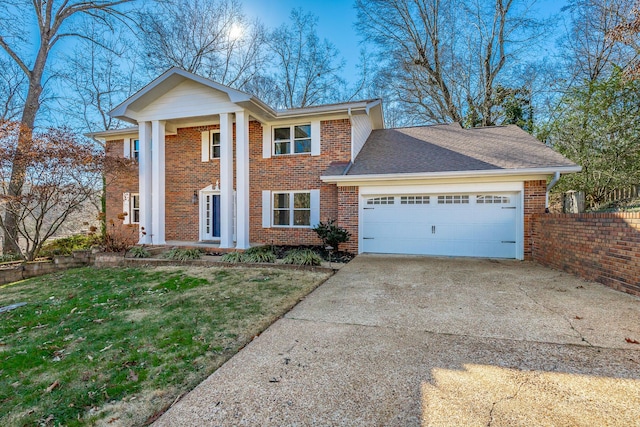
[553, 182]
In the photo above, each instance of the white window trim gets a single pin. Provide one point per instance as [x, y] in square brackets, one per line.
[292, 139]
[132, 209]
[133, 149]
[291, 208]
[212, 145]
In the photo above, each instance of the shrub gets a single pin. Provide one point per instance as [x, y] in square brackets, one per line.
[10, 258]
[66, 245]
[302, 257]
[331, 234]
[233, 257]
[259, 254]
[139, 252]
[183, 254]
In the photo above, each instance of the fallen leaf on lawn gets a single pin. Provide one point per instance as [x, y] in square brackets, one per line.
[113, 420]
[106, 348]
[90, 357]
[98, 320]
[632, 341]
[54, 385]
[578, 318]
[73, 310]
[132, 376]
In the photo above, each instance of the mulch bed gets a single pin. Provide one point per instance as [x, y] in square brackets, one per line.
[281, 251]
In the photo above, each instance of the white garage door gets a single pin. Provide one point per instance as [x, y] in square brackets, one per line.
[478, 225]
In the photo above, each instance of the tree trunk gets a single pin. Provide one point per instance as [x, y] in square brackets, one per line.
[31, 106]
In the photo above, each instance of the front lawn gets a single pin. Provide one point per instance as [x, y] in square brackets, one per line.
[115, 346]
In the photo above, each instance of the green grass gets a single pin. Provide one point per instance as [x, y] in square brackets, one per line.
[124, 343]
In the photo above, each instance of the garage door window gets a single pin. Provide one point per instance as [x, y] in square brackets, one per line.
[485, 200]
[414, 200]
[454, 199]
[381, 201]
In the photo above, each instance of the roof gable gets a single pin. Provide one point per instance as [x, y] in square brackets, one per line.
[170, 84]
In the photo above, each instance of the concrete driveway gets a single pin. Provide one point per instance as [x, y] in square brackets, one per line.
[409, 341]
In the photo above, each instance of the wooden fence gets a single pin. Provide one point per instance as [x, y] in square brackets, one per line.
[623, 193]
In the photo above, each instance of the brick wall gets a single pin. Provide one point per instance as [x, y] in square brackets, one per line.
[604, 247]
[534, 203]
[186, 173]
[348, 216]
[295, 172]
[116, 186]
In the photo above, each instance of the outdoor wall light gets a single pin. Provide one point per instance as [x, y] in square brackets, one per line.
[194, 198]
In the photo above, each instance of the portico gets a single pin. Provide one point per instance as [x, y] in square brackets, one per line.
[179, 101]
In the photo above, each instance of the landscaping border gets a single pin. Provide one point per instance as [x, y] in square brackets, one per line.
[26, 270]
[603, 247]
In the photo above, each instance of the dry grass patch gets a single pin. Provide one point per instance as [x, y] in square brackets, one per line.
[115, 346]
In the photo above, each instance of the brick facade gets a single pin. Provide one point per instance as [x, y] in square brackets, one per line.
[604, 247]
[295, 172]
[348, 216]
[116, 187]
[186, 173]
[534, 203]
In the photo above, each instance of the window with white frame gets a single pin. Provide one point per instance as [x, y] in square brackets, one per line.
[135, 149]
[292, 209]
[215, 144]
[134, 210]
[294, 139]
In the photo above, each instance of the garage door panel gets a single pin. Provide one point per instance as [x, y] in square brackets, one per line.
[461, 225]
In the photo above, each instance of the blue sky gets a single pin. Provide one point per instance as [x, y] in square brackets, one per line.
[336, 20]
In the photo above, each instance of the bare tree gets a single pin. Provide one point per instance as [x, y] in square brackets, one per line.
[307, 69]
[628, 33]
[588, 51]
[97, 77]
[211, 38]
[54, 23]
[446, 57]
[12, 89]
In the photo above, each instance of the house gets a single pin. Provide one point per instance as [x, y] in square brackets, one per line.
[218, 165]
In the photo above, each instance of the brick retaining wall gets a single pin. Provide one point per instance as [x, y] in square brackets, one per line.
[604, 247]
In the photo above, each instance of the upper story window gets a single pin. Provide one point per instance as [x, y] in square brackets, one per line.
[295, 139]
[215, 144]
[135, 149]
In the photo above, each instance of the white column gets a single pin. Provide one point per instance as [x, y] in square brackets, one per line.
[157, 182]
[144, 174]
[242, 179]
[226, 180]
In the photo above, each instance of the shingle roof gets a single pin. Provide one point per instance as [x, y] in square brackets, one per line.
[450, 148]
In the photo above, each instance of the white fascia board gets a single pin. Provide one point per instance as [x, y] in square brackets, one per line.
[453, 174]
[329, 109]
[113, 132]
